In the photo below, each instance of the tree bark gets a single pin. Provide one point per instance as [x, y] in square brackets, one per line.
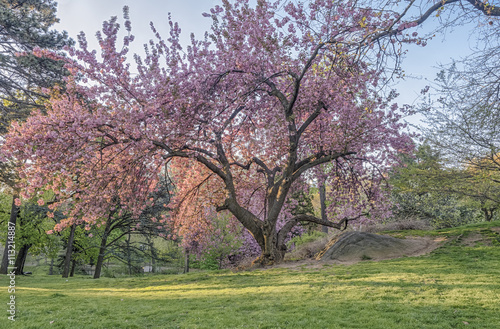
[153, 259]
[186, 261]
[102, 249]
[322, 203]
[69, 251]
[151, 246]
[271, 254]
[73, 265]
[14, 212]
[488, 214]
[51, 268]
[273, 249]
[21, 259]
[129, 256]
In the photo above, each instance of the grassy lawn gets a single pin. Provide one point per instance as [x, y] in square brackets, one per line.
[456, 286]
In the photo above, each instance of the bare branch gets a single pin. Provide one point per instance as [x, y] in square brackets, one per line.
[198, 157]
[311, 118]
[315, 160]
[340, 225]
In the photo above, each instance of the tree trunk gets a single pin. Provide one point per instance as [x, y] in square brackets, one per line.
[322, 202]
[151, 246]
[102, 250]
[271, 254]
[272, 251]
[488, 214]
[51, 268]
[14, 211]
[186, 261]
[153, 262]
[69, 251]
[129, 255]
[21, 259]
[73, 265]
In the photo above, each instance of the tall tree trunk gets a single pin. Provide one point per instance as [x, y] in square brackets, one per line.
[129, 255]
[69, 251]
[322, 203]
[21, 259]
[150, 244]
[14, 211]
[153, 262]
[73, 265]
[102, 249]
[186, 260]
[154, 256]
[51, 268]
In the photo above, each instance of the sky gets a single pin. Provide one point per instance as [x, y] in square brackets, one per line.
[420, 65]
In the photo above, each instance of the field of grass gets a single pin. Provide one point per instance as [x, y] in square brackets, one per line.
[456, 286]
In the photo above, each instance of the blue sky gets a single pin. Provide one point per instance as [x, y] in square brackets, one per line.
[88, 15]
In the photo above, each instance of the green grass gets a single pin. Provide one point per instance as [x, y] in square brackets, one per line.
[456, 286]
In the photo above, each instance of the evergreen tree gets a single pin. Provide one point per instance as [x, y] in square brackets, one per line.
[24, 26]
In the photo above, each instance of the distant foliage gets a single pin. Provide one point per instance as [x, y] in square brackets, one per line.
[423, 190]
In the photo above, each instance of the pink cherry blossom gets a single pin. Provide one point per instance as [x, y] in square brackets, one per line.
[277, 95]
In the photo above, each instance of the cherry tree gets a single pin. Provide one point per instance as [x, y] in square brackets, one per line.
[239, 119]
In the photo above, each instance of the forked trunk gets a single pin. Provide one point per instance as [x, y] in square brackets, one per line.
[69, 252]
[488, 214]
[21, 259]
[273, 252]
[265, 233]
[272, 255]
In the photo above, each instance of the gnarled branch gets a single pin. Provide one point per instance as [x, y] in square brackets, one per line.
[340, 225]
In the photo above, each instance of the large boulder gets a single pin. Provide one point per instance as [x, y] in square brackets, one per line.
[355, 246]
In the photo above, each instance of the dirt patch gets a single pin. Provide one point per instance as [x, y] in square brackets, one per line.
[495, 229]
[485, 237]
[472, 239]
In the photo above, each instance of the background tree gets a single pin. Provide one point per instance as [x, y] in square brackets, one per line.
[32, 223]
[480, 184]
[424, 189]
[25, 26]
[82, 249]
[464, 122]
[149, 224]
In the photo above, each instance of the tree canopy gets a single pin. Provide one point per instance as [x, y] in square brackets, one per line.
[240, 119]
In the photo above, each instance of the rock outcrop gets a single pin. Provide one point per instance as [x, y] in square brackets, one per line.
[355, 246]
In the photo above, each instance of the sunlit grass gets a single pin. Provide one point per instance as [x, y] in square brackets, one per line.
[454, 287]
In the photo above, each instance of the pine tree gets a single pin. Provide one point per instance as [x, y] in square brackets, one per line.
[24, 26]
